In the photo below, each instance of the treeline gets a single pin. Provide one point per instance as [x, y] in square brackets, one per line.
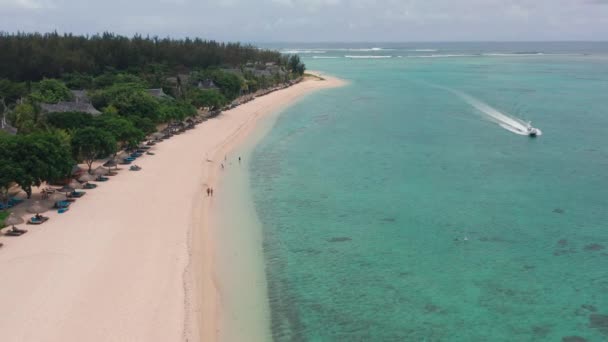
[34, 56]
[129, 87]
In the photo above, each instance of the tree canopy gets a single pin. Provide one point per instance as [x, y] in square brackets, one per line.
[91, 143]
[29, 160]
[51, 91]
[33, 56]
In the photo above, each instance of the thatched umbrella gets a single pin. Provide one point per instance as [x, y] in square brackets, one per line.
[121, 155]
[56, 197]
[101, 171]
[76, 170]
[87, 177]
[75, 185]
[13, 219]
[67, 189]
[37, 208]
[110, 163]
[158, 135]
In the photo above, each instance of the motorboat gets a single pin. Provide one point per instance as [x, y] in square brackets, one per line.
[532, 131]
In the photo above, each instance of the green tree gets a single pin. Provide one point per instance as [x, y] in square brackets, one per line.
[175, 110]
[206, 98]
[295, 65]
[69, 120]
[10, 91]
[51, 91]
[77, 80]
[124, 131]
[144, 124]
[30, 160]
[91, 143]
[24, 117]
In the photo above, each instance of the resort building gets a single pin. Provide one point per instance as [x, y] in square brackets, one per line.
[80, 103]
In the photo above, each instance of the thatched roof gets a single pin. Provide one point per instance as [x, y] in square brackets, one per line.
[62, 107]
[207, 84]
[80, 96]
[158, 93]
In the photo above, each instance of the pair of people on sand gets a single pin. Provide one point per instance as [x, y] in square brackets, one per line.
[209, 192]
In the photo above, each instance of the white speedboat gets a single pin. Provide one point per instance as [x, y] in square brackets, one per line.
[532, 131]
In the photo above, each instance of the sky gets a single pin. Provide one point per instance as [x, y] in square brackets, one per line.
[317, 20]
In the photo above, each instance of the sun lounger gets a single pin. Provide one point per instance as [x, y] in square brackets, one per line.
[77, 194]
[135, 168]
[62, 210]
[5, 206]
[15, 232]
[62, 204]
[37, 221]
[150, 153]
[14, 201]
[102, 179]
[89, 186]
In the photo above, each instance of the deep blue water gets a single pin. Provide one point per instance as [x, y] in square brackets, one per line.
[395, 210]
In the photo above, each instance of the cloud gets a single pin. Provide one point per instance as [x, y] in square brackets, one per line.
[26, 4]
[317, 20]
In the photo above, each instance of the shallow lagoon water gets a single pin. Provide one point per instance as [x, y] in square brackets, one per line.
[393, 210]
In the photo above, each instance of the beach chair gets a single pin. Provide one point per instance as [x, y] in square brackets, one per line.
[135, 168]
[62, 204]
[37, 221]
[102, 179]
[89, 186]
[15, 232]
[77, 194]
[62, 210]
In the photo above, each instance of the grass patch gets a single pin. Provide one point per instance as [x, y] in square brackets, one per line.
[3, 215]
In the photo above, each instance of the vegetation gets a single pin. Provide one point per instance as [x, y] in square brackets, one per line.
[34, 56]
[29, 160]
[51, 91]
[3, 216]
[136, 83]
[91, 143]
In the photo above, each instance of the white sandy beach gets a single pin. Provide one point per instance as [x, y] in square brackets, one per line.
[134, 259]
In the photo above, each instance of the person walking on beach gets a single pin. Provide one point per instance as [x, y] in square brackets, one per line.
[208, 192]
[239, 159]
[211, 192]
[222, 166]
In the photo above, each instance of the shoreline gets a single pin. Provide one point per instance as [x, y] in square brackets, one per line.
[134, 259]
[212, 318]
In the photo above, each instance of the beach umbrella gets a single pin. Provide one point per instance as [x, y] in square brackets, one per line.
[121, 155]
[37, 208]
[101, 171]
[58, 196]
[76, 170]
[110, 163]
[75, 185]
[158, 135]
[13, 220]
[87, 177]
[67, 189]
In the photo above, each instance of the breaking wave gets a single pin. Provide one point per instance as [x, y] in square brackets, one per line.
[366, 57]
[302, 51]
[443, 56]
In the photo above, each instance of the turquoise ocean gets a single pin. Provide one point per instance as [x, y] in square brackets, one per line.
[402, 207]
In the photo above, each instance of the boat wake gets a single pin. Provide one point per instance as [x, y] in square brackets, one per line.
[510, 123]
